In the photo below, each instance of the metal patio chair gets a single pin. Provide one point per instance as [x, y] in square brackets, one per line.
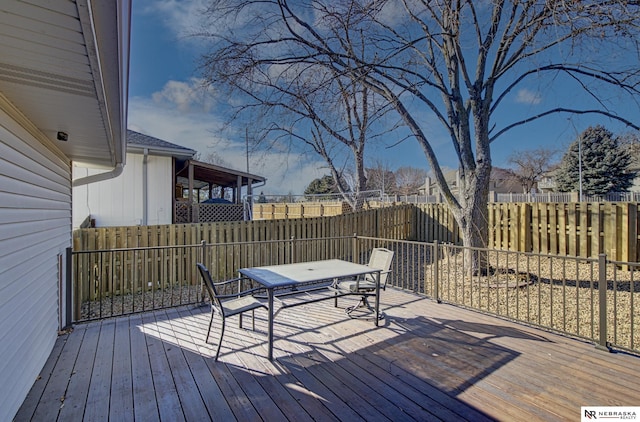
[228, 305]
[365, 287]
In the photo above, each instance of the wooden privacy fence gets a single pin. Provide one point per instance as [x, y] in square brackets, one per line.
[392, 223]
[277, 211]
[571, 229]
[568, 229]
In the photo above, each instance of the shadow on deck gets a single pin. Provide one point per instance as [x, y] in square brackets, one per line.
[427, 361]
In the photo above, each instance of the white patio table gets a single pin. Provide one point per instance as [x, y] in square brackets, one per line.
[274, 277]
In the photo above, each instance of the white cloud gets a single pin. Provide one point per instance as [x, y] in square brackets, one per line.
[392, 13]
[181, 17]
[526, 96]
[170, 115]
[185, 96]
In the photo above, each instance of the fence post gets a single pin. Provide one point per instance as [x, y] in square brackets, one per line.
[602, 299]
[436, 279]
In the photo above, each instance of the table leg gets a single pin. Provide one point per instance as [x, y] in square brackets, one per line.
[270, 324]
[377, 316]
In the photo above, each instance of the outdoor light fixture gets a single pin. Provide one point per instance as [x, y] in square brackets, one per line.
[62, 136]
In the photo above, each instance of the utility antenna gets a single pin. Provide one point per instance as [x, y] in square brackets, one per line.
[246, 140]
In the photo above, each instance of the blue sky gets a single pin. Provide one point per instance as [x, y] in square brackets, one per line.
[164, 102]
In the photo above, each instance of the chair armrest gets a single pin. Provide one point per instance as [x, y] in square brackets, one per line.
[229, 281]
[240, 294]
[238, 290]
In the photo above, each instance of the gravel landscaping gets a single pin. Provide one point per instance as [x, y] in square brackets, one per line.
[552, 292]
[132, 303]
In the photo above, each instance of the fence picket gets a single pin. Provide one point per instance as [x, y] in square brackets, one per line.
[575, 229]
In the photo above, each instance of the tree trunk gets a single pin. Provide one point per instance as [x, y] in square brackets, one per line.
[475, 237]
[471, 214]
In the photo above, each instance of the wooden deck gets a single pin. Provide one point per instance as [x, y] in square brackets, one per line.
[426, 361]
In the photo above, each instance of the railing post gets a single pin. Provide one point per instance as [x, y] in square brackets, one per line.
[354, 249]
[603, 344]
[436, 279]
[204, 261]
[68, 311]
[292, 252]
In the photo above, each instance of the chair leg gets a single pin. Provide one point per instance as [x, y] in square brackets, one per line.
[210, 324]
[253, 318]
[220, 341]
[364, 303]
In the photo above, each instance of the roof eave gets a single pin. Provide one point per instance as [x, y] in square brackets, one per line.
[183, 154]
[107, 41]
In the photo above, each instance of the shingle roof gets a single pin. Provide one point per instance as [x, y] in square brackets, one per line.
[139, 140]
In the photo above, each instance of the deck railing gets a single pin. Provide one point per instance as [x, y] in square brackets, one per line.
[590, 298]
[595, 299]
[129, 280]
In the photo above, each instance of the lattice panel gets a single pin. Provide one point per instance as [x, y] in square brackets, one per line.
[183, 213]
[207, 213]
[220, 212]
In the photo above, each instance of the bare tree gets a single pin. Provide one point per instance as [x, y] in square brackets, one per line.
[409, 180]
[462, 60]
[305, 103]
[212, 157]
[381, 177]
[531, 165]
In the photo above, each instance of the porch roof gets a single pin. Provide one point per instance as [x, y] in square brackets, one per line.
[218, 175]
[138, 142]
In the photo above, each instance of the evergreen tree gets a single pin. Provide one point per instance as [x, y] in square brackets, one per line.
[323, 185]
[605, 165]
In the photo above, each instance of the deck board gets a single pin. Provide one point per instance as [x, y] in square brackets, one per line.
[79, 383]
[212, 395]
[121, 397]
[426, 361]
[53, 396]
[167, 400]
[98, 397]
[31, 402]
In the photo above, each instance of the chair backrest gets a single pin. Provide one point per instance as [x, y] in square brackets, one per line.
[381, 260]
[208, 283]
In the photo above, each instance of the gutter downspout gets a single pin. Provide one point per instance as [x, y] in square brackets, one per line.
[145, 187]
[117, 171]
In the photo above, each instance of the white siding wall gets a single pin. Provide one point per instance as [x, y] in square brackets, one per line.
[119, 201]
[35, 226]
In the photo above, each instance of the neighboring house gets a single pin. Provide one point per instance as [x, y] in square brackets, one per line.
[504, 181]
[501, 181]
[141, 195]
[154, 188]
[63, 100]
[635, 167]
[547, 182]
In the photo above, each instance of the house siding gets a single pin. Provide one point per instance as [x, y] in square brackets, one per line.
[119, 201]
[35, 228]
